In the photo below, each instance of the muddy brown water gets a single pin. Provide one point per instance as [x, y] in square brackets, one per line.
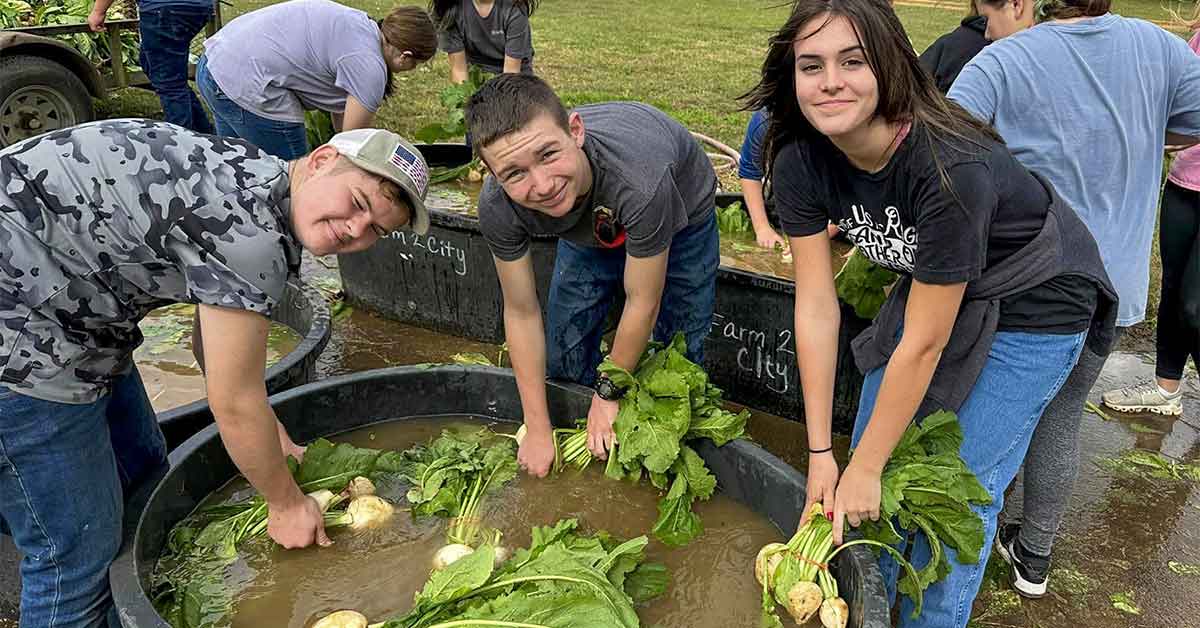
[165, 361]
[377, 572]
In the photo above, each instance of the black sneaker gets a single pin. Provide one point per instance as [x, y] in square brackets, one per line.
[1029, 571]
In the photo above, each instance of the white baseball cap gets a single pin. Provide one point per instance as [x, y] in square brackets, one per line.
[390, 156]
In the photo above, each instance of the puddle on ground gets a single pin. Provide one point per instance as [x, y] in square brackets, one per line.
[377, 573]
[165, 361]
[1120, 535]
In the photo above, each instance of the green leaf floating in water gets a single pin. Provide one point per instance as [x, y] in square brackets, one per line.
[1184, 569]
[1124, 603]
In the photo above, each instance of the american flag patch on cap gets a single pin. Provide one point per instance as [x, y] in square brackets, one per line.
[413, 166]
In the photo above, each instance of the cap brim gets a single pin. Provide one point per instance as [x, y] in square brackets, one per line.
[419, 221]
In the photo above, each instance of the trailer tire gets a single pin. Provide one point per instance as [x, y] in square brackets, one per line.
[39, 95]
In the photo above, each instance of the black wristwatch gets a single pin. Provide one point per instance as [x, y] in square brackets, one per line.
[607, 390]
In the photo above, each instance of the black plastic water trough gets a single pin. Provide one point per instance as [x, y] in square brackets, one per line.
[446, 281]
[744, 471]
[304, 310]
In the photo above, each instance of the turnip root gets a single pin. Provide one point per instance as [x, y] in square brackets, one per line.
[768, 561]
[804, 600]
[360, 486]
[520, 434]
[368, 511]
[834, 613]
[449, 554]
[342, 619]
[323, 497]
[501, 555]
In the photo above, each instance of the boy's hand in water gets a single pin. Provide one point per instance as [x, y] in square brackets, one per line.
[536, 452]
[600, 426]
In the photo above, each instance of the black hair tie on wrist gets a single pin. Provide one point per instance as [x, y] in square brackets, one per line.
[820, 451]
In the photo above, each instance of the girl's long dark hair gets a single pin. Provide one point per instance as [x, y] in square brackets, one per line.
[444, 12]
[906, 90]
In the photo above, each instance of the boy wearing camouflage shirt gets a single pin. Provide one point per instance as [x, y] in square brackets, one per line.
[100, 224]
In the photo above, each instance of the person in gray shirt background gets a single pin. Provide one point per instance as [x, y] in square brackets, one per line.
[493, 35]
[631, 195]
[264, 69]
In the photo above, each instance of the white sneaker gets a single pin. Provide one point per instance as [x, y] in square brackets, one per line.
[1146, 397]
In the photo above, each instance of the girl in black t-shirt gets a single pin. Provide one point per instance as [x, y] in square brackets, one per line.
[1000, 286]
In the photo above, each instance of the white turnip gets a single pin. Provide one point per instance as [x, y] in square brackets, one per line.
[368, 511]
[342, 619]
[360, 486]
[804, 600]
[449, 554]
[834, 613]
[768, 561]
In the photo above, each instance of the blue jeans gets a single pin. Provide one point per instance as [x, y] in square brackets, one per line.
[1023, 373]
[586, 280]
[285, 140]
[65, 470]
[166, 35]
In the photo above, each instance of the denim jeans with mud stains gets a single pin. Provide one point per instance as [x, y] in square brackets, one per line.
[65, 471]
[586, 280]
[1023, 372]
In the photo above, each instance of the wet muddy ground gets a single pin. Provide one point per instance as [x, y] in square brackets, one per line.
[1127, 541]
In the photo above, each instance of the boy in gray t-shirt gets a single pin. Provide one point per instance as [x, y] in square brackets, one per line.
[104, 222]
[630, 193]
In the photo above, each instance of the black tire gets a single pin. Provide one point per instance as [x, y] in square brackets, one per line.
[39, 95]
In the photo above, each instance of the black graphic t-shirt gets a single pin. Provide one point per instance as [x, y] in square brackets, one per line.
[904, 219]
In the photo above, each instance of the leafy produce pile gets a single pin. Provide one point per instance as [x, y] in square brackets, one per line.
[733, 219]
[94, 46]
[454, 99]
[796, 574]
[563, 580]
[927, 487]
[668, 401]
[450, 477]
[187, 584]
[861, 284]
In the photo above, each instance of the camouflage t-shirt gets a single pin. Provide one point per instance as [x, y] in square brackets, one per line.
[103, 222]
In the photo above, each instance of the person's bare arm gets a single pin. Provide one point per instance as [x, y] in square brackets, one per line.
[928, 321]
[458, 66]
[645, 278]
[235, 350]
[512, 65]
[98, 14]
[527, 351]
[816, 320]
[356, 116]
[756, 206]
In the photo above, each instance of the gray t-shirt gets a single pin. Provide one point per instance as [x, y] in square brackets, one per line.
[505, 31]
[282, 59]
[647, 170]
[103, 222]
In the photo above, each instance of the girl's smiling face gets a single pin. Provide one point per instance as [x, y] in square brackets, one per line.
[835, 87]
